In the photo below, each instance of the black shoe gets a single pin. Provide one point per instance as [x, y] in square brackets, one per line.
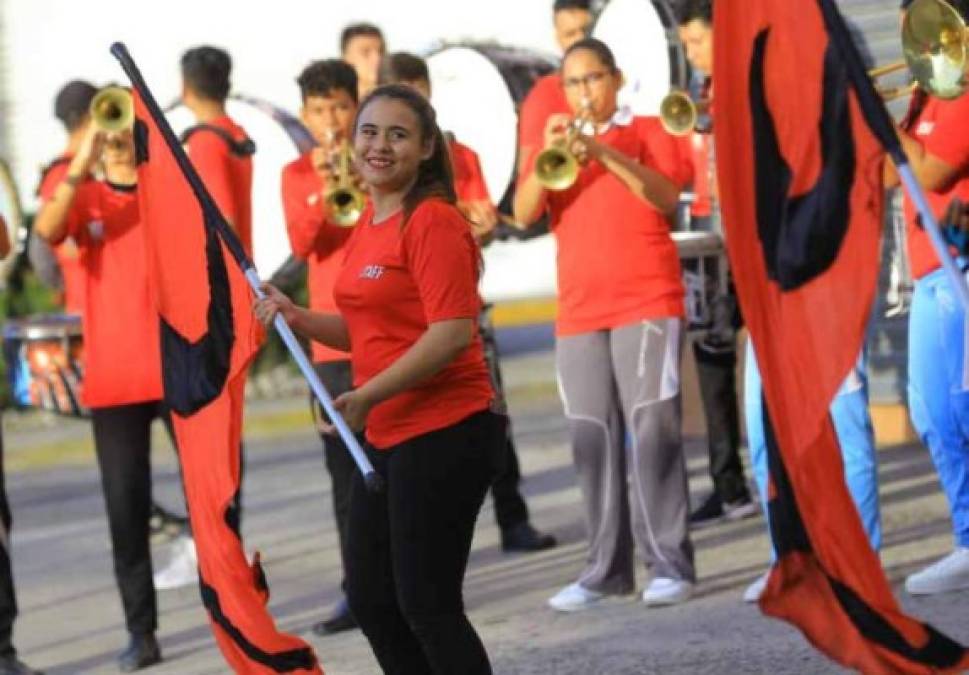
[710, 512]
[11, 665]
[742, 508]
[341, 620]
[142, 651]
[525, 538]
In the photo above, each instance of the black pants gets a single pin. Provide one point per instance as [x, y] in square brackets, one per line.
[8, 599]
[408, 548]
[122, 440]
[510, 507]
[337, 377]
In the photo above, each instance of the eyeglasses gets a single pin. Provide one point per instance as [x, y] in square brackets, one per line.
[589, 79]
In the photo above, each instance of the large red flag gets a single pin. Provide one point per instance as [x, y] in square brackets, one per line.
[208, 336]
[801, 195]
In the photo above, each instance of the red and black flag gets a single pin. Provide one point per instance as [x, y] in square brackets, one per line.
[208, 337]
[799, 172]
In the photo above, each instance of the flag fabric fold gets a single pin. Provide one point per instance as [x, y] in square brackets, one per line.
[799, 174]
[209, 336]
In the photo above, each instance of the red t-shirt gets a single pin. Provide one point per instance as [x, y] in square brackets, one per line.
[314, 240]
[545, 98]
[943, 129]
[227, 176]
[122, 358]
[617, 263]
[394, 284]
[696, 147]
[469, 181]
[66, 253]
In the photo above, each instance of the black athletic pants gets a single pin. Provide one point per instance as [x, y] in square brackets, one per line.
[408, 547]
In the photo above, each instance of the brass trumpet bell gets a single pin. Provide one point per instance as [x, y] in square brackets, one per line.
[112, 109]
[678, 113]
[556, 168]
[935, 42]
[344, 201]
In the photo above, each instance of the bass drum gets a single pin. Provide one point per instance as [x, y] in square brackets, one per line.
[476, 91]
[280, 138]
[13, 216]
[642, 35]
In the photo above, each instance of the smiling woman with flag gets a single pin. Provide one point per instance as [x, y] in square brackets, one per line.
[409, 305]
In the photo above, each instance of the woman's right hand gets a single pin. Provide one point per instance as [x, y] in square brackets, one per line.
[88, 153]
[273, 302]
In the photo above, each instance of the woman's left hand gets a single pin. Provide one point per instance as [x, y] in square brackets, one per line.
[354, 406]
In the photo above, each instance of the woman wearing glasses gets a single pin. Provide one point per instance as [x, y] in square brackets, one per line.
[619, 330]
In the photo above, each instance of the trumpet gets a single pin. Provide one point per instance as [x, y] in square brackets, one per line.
[935, 43]
[556, 167]
[344, 200]
[112, 109]
[678, 113]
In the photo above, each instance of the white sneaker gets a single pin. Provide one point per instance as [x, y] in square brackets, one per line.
[949, 574]
[756, 589]
[666, 591]
[574, 598]
[182, 569]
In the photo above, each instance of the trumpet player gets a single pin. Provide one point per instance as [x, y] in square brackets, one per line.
[329, 95]
[619, 330]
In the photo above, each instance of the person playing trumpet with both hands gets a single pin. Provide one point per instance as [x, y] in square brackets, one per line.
[619, 328]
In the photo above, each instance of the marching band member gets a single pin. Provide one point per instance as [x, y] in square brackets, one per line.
[849, 409]
[618, 332]
[408, 299]
[715, 352]
[329, 94]
[120, 327]
[511, 511]
[10, 664]
[362, 45]
[219, 148]
[572, 20]
[936, 142]
[71, 108]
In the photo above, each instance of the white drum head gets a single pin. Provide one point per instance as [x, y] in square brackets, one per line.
[635, 33]
[472, 100]
[274, 149]
[12, 216]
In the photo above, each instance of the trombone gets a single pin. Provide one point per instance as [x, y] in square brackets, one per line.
[935, 43]
[344, 201]
[112, 109]
[556, 167]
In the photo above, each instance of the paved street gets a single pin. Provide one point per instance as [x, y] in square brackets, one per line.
[71, 619]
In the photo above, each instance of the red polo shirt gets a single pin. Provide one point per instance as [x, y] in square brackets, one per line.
[696, 147]
[66, 253]
[469, 183]
[617, 263]
[398, 279]
[314, 240]
[122, 358]
[227, 176]
[943, 130]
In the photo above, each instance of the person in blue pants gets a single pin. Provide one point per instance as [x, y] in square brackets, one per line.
[852, 422]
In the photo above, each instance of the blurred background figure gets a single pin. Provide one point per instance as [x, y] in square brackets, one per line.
[362, 45]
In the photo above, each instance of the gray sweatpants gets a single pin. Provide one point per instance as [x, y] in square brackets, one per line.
[611, 381]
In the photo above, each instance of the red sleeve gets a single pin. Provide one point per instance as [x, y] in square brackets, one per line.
[949, 140]
[210, 156]
[303, 219]
[663, 152]
[50, 181]
[685, 149]
[83, 211]
[468, 177]
[443, 261]
[546, 97]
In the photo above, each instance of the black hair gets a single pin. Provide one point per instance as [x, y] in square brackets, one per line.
[599, 48]
[562, 5]
[206, 71]
[357, 30]
[694, 10]
[435, 175]
[321, 78]
[73, 102]
[402, 67]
